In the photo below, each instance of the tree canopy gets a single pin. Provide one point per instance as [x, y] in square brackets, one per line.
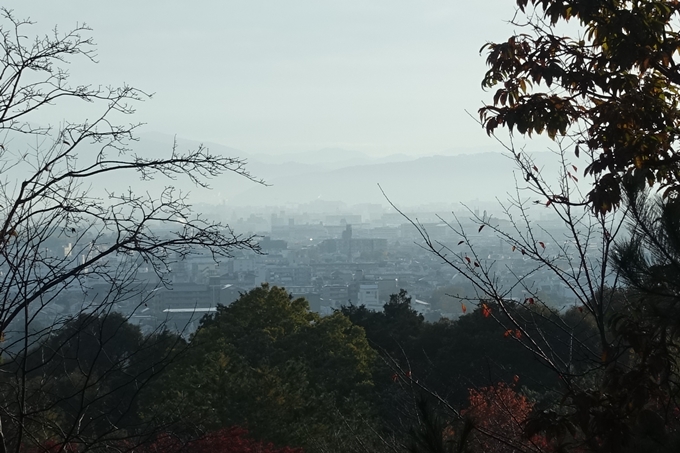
[267, 363]
[610, 89]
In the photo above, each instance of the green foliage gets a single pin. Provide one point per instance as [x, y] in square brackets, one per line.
[83, 380]
[478, 350]
[475, 349]
[267, 363]
[435, 433]
[614, 87]
[393, 330]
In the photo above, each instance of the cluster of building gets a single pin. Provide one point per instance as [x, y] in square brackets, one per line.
[332, 264]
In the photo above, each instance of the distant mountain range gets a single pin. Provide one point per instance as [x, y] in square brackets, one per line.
[422, 180]
[334, 174]
[327, 175]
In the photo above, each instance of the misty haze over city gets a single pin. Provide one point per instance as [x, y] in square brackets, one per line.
[340, 110]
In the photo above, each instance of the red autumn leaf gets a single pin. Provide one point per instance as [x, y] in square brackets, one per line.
[507, 333]
[514, 248]
[461, 242]
[530, 300]
[523, 252]
[515, 379]
[535, 168]
[574, 167]
[468, 259]
[542, 244]
[548, 203]
[476, 264]
[486, 311]
[580, 309]
[518, 334]
[463, 307]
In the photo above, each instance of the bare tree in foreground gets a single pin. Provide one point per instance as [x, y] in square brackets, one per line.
[613, 347]
[49, 177]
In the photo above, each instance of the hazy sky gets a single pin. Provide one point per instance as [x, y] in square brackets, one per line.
[379, 76]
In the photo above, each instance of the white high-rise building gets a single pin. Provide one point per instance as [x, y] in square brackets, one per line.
[369, 296]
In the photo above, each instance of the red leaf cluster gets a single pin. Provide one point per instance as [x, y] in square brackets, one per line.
[226, 440]
[499, 413]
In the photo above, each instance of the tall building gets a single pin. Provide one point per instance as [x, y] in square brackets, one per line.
[347, 237]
